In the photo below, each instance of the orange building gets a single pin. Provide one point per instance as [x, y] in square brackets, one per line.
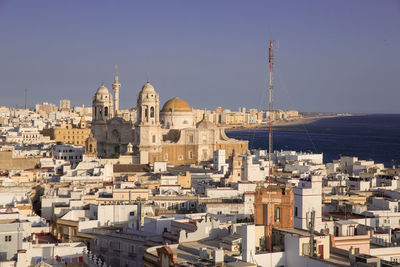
[273, 208]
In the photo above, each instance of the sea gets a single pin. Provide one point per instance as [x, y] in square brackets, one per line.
[375, 136]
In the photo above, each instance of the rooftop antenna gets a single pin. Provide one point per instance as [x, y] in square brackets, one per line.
[26, 98]
[270, 105]
[310, 219]
[270, 147]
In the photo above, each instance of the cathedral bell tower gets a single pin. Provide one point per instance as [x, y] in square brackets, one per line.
[102, 105]
[148, 128]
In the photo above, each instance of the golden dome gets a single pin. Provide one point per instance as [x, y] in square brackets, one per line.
[176, 105]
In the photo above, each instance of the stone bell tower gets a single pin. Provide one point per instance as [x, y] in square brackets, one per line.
[102, 105]
[148, 128]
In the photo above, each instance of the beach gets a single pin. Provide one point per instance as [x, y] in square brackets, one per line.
[281, 123]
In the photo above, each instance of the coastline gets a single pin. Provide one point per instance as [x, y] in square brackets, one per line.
[300, 121]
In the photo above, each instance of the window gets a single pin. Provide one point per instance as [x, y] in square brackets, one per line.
[146, 112]
[152, 112]
[190, 154]
[132, 213]
[132, 249]
[277, 215]
[295, 211]
[166, 157]
[154, 138]
[106, 111]
[8, 238]
[204, 154]
[191, 139]
[180, 157]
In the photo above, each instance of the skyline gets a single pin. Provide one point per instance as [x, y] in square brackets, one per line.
[331, 58]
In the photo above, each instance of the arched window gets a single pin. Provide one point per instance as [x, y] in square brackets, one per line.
[277, 215]
[95, 110]
[116, 137]
[90, 148]
[152, 112]
[106, 111]
[146, 112]
[100, 113]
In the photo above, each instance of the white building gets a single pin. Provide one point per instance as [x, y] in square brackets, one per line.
[308, 198]
[219, 161]
[88, 170]
[68, 152]
[254, 170]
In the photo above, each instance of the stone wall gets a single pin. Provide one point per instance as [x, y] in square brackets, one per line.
[9, 162]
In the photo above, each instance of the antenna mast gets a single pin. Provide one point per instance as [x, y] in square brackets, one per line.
[270, 108]
[26, 98]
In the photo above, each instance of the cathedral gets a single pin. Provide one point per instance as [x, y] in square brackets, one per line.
[169, 134]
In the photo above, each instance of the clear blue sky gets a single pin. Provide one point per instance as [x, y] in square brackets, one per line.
[333, 56]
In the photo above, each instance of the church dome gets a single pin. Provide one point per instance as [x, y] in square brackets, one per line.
[176, 105]
[205, 125]
[102, 90]
[148, 88]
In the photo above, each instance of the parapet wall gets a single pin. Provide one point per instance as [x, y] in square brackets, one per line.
[8, 162]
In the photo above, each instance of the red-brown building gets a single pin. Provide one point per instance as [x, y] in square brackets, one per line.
[273, 208]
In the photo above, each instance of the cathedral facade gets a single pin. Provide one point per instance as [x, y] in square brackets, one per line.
[169, 134]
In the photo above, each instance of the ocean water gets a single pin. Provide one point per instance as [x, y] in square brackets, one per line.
[367, 137]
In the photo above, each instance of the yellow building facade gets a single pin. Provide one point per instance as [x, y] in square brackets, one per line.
[69, 134]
